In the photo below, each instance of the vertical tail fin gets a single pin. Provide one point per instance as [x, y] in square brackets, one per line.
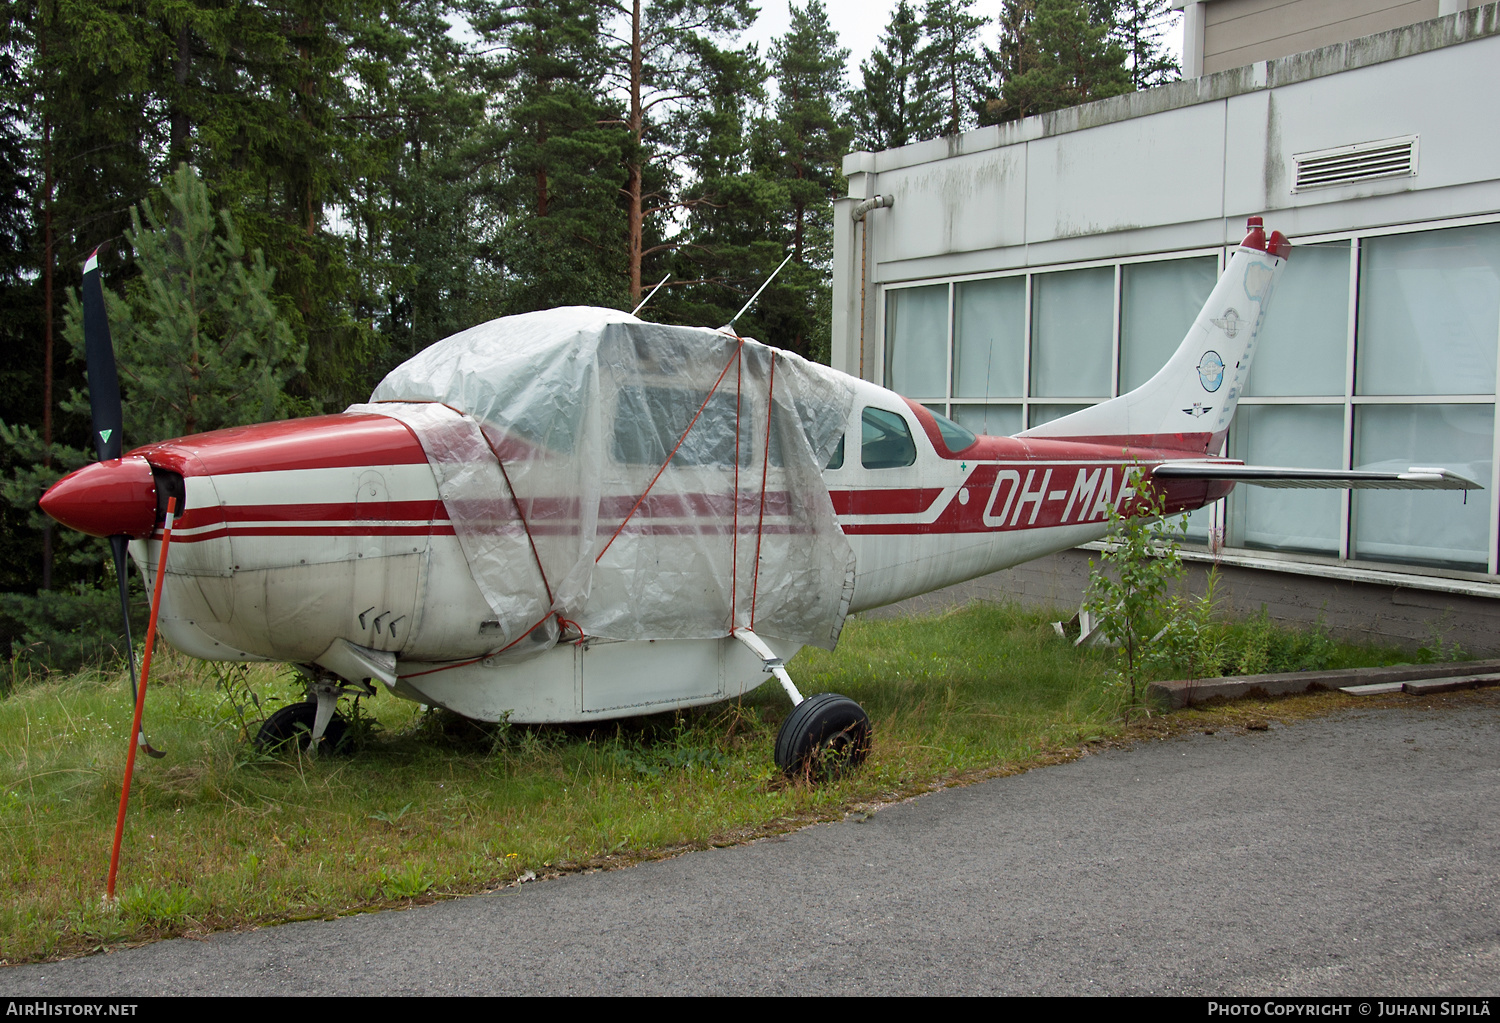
[1188, 404]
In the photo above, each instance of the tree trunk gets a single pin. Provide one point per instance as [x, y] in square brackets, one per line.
[634, 217]
[180, 123]
[47, 260]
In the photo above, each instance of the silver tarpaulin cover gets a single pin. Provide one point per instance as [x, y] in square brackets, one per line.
[621, 475]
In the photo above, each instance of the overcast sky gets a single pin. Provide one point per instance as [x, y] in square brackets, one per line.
[860, 22]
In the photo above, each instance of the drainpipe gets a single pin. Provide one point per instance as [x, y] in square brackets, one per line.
[858, 214]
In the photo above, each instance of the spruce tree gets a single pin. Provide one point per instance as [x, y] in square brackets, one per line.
[1141, 27]
[20, 301]
[200, 345]
[1076, 61]
[561, 156]
[897, 105]
[951, 60]
[416, 240]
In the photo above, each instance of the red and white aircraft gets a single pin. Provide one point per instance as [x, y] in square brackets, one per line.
[339, 544]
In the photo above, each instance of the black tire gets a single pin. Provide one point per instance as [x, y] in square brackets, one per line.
[825, 737]
[293, 724]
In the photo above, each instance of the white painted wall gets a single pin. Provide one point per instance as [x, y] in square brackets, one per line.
[1179, 167]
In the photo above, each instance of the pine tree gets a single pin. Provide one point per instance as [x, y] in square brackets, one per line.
[809, 68]
[897, 105]
[808, 139]
[562, 158]
[1013, 56]
[951, 60]
[1076, 61]
[669, 70]
[198, 338]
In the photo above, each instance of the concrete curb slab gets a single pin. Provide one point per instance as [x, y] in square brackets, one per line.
[1190, 692]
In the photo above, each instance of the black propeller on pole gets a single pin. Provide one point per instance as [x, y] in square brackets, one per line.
[104, 405]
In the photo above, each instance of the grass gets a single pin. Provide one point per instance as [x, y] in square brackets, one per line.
[428, 806]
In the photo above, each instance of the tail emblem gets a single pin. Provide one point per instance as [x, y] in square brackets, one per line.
[1211, 370]
[1230, 323]
[1198, 409]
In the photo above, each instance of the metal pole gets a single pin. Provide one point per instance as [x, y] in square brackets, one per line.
[648, 297]
[753, 297]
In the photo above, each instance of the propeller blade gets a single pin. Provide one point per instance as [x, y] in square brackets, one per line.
[109, 441]
[99, 353]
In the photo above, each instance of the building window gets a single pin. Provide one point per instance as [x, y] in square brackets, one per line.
[989, 346]
[1027, 348]
[1158, 303]
[916, 347]
[1072, 332]
[1428, 312]
[1415, 526]
[1303, 347]
[1310, 436]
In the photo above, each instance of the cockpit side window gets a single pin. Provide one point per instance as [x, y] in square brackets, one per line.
[886, 441]
[649, 423]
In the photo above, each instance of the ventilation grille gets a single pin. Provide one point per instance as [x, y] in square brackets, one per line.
[1347, 165]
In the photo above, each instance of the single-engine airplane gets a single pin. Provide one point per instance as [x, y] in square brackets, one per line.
[576, 515]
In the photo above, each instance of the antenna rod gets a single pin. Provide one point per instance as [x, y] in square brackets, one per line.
[753, 297]
[648, 297]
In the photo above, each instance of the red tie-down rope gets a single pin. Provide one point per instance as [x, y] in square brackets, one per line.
[564, 622]
[140, 699]
[734, 544]
[765, 463]
[514, 498]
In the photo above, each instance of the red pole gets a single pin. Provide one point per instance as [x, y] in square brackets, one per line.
[140, 699]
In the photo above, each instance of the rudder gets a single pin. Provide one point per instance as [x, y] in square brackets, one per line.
[1189, 403]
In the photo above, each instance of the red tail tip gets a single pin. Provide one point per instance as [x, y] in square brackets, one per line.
[1255, 238]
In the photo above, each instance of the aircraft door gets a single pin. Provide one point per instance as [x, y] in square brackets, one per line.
[878, 493]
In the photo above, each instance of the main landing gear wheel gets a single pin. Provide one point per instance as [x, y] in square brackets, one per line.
[294, 724]
[825, 737]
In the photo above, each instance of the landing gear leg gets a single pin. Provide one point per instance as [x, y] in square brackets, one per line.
[314, 722]
[327, 696]
[825, 736]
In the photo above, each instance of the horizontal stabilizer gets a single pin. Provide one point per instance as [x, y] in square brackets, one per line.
[1339, 479]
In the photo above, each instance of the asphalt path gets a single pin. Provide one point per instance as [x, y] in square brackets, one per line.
[1354, 854]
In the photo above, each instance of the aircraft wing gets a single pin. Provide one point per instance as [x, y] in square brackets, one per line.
[1415, 478]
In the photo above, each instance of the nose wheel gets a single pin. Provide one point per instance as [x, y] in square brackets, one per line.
[825, 737]
[296, 723]
[313, 724]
